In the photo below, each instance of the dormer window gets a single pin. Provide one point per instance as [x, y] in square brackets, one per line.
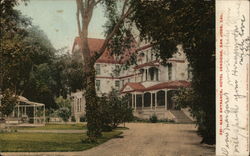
[169, 65]
[141, 55]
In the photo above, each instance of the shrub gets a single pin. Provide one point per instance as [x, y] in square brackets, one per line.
[82, 119]
[114, 111]
[64, 113]
[153, 119]
[73, 119]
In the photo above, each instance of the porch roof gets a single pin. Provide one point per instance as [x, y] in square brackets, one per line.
[25, 100]
[169, 85]
[138, 87]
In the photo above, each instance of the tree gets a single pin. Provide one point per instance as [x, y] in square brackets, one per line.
[69, 70]
[116, 28]
[8, 102]
[191, 23]
[12, 32]
[29, 64]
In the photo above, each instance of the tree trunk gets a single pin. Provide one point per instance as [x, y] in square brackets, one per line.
[92, 105]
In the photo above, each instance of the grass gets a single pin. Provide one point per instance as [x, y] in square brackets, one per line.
[47, 142]
[55, 127]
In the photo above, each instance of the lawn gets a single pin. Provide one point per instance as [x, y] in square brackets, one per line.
[41, 142]
[78, 126]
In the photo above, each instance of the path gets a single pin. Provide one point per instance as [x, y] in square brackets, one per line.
[51, 131]
[144, 139]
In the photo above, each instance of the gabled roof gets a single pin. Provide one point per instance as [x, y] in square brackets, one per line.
[165, 85]
[134, 86]
[95, 44]
[25, 100]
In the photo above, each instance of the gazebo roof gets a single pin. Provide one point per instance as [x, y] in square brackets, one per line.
[25, 100]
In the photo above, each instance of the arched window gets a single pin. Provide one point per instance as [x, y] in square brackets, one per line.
[154, 74]
[161, 98]
[147, 99]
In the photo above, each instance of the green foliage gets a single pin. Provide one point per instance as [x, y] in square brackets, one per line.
[61, 102]
[30, 65]
[153, 118]
[82, 119]
[8, 102]
[73, 119]
[168, 23]
[64, 113]
[64, 110]
[114, 110]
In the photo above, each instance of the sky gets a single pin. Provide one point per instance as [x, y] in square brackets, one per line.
[57, 18]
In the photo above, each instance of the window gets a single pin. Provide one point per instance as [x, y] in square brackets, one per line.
[98, 85]
[122, 82]
[98, 69]
[142, 74]
[152, 56]
[170, 71]
[157, 75]
[189, 72]
[117, 70]
[78, 105]
[117, 84]
[151, 73]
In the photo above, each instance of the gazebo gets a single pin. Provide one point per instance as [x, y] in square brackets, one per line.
[29, 112]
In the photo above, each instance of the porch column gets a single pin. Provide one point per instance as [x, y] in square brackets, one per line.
[155, 100]
[142, 100]
[34, 112]
[75, 105]
[18, 111]
[151, 104]
[132, 104]
[166, 99]
[25, 113]
[44, 113]
[135, 101]
[146, 74]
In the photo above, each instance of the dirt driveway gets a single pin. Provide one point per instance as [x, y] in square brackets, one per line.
[145, 139]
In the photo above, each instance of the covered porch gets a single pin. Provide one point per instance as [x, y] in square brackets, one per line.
[159, 96]
[152, 100]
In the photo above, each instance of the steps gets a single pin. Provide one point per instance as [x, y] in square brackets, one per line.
[180, 117]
